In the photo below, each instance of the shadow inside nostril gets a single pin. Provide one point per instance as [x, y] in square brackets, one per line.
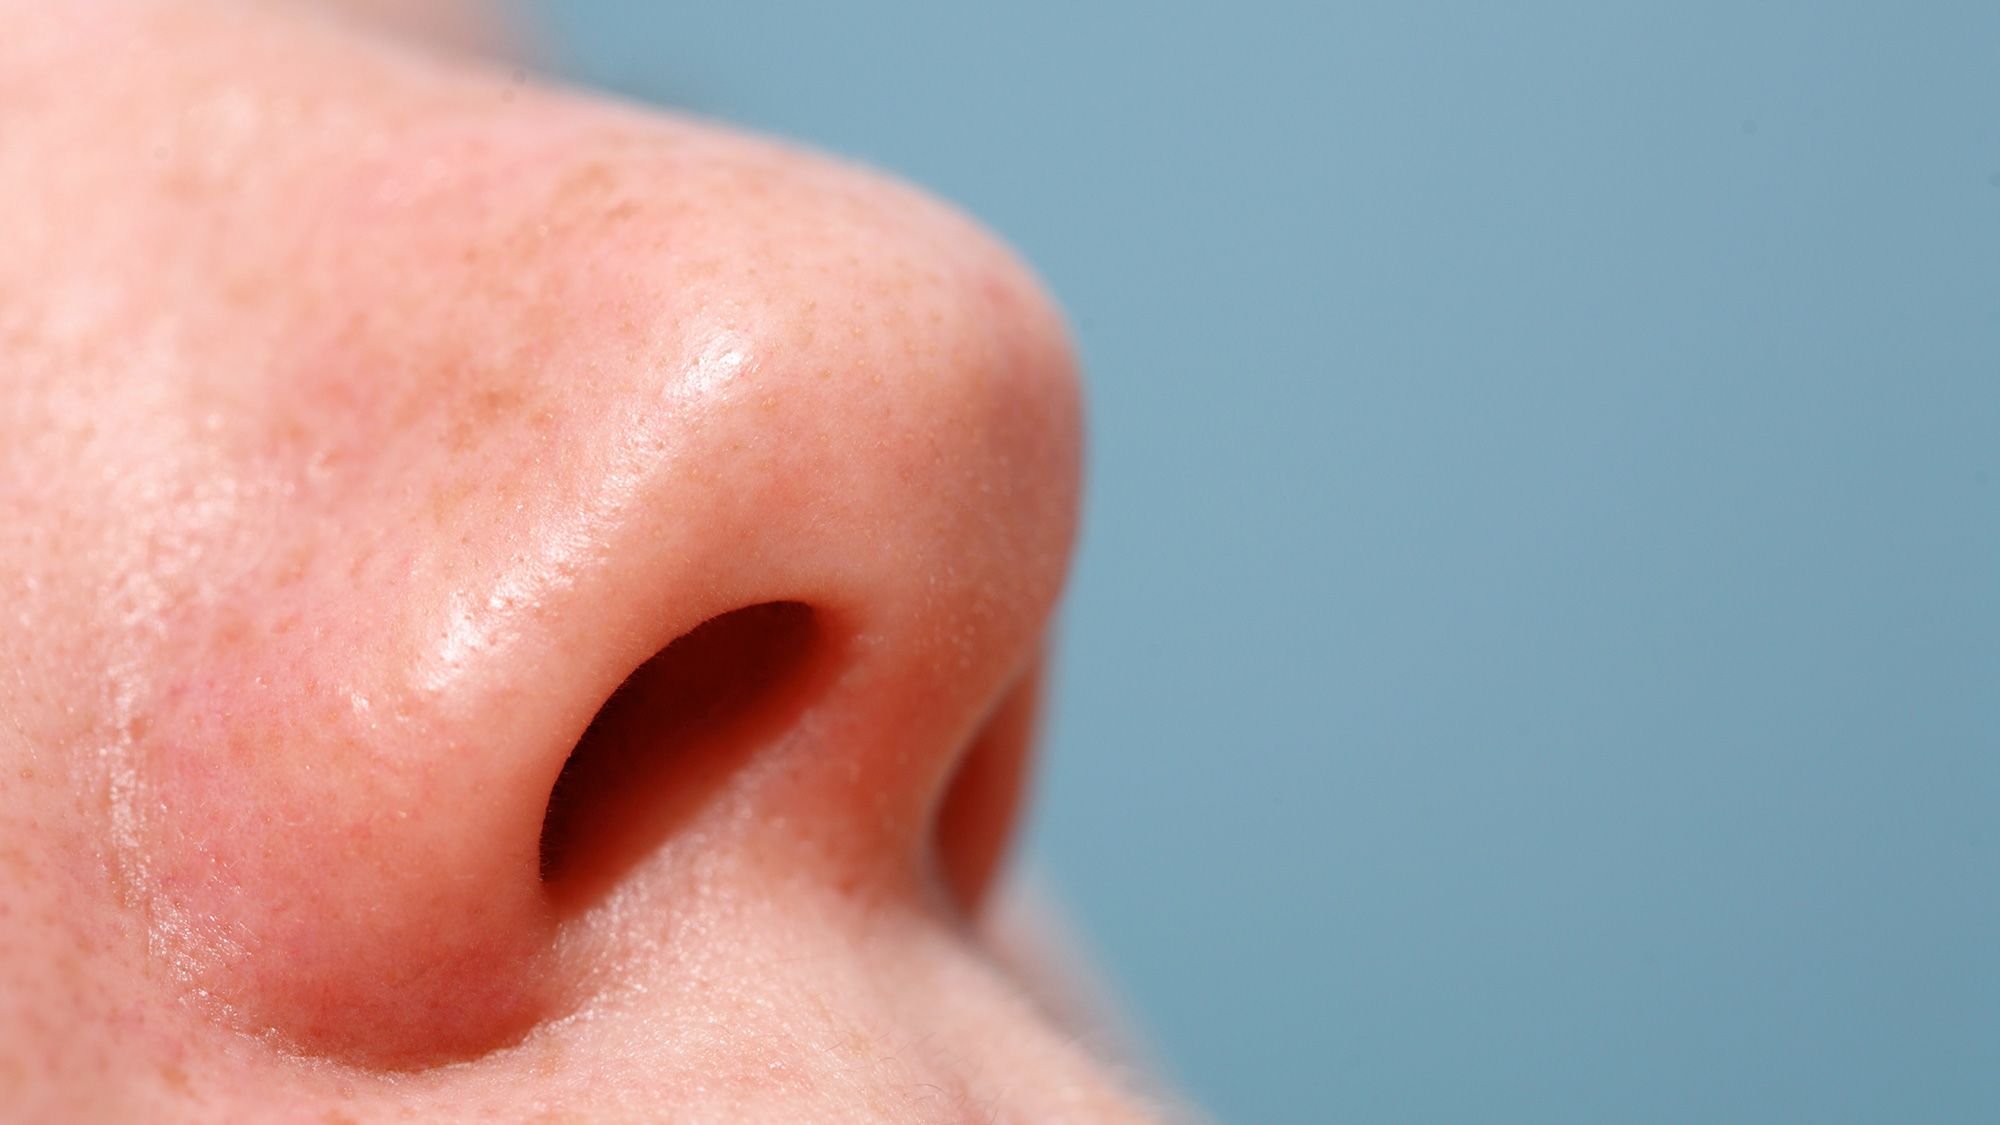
[977, 812]
[670, 735]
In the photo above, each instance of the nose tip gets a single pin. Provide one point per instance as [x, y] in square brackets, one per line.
[831, 516]
[717, 513]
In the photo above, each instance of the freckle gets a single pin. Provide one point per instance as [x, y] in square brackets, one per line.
[243, 291]
[441, 505]
[72, 979]
[294, 567]
[175, 1078]
[232, 630]
[365, 558]
[494, 402]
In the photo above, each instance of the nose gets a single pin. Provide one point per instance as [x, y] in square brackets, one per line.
[652, 512]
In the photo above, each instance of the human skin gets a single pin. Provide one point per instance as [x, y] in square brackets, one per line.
[367, 417]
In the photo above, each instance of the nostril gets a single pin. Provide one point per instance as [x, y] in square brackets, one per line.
[676, 729]
[976, 817]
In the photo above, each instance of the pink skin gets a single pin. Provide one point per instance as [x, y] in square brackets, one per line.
[366, 419]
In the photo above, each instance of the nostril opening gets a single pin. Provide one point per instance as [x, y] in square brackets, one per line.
[671, 734]
[978, 812]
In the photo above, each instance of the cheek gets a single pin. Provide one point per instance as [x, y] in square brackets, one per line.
[302, 855]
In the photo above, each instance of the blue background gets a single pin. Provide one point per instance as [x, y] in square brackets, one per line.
[1535, 654]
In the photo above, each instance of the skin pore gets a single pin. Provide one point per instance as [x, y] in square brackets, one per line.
[518, 606]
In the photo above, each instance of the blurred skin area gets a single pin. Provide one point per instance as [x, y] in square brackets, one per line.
[518, 607]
